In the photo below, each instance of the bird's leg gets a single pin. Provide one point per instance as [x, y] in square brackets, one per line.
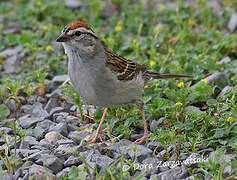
[145, 136]
[99, 131]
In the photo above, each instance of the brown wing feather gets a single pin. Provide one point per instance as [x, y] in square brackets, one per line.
[124, 69]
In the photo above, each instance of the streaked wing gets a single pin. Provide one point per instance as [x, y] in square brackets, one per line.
[124, 69]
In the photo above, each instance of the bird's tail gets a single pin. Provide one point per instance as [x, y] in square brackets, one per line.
[156, 75]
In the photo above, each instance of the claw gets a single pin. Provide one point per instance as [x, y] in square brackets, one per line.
[142, 139]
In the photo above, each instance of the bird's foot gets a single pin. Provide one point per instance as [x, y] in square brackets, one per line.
[142, 139]
[98, 133]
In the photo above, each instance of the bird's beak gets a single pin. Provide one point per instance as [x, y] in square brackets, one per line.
[63, 38]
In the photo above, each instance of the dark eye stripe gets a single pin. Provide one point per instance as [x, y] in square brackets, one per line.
[78, 33]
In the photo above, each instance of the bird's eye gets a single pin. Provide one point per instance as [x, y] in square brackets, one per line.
[78, 33]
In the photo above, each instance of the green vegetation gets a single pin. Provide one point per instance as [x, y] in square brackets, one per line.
[182, 40]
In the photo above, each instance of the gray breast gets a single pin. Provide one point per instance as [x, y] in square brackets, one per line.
[97, 85]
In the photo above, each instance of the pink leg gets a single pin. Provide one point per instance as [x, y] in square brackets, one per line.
[145, 136]
[99, 131]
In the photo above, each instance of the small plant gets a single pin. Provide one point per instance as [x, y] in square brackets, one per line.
[13, 87]
[39, 76]
[69, 90]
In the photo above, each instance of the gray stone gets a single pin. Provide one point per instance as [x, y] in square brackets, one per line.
[125, 142]
[28, 141]
[59, 79]
[214, 5]
[183, 156]
[24, 152]
[11, 104]
[224, 91]
[154, 125]
[12, 64]
[61, 128]
[45, 124]
[135, 136]
[41, 173]
[38, 111]
[37, 155]
[11, 28]
[192, 159]
[193, 109]
[64, 141]
[57, 93]
[206, 150]
[27, 122]
[233, 22]
[53, 136]
[39, 132]
[60, 117]
[11, 51]
[72, 127]
[74, 4]
[44, 143]
[89, 153]
[102, 161]
[63, 173]
[142, 152]
[73, 108]
[66, 150]
[77, 136]
[52, 162]
[67, 106]
[18, 173]
[92, 170]
[6, 176]
[25, 175]
[72, 160]
[154, 177]
[174, 173]
[217, 79]
[224, 60]
[27, 109]
[6, 130]
[55, 110]
[40, 56]
[154, 145]
[52, 102]
[150, 165]
[227, 171]
[38, 147]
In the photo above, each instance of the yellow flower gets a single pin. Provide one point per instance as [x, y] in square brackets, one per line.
[171, 51]
[204, 81]
[45, 28]
[152, 63]
[162, 6]
[118, 28]
[178, 104]
[181, 84]
[230, 120]
[49, 48]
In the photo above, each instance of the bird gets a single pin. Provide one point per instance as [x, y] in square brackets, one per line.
[102, 77]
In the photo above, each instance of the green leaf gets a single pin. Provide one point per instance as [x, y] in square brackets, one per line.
[219, 133]
[4, 111]
[73, 173]
[211, 102]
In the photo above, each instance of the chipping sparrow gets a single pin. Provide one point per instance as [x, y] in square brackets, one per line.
[102, 77]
